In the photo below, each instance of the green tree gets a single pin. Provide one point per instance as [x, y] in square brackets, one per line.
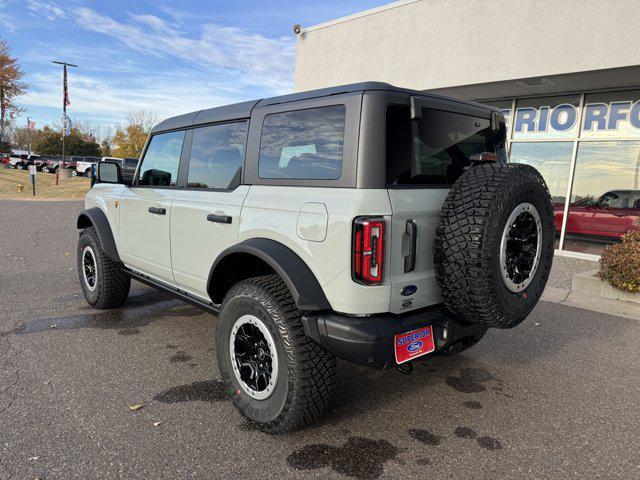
[50, 143]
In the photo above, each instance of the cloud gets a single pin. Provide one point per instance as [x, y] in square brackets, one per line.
[5, 19]
[156, 64]
[49, 10]
[106, 100]
[269, 59]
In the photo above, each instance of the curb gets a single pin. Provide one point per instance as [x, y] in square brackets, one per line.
[589, 301]
[589, 284]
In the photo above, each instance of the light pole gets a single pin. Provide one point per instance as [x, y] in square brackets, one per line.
[65, 102]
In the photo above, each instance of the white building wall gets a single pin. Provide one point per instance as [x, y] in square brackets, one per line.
[428, 44]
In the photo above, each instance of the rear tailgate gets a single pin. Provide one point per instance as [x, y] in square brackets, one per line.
[420, 207]
[425, 156]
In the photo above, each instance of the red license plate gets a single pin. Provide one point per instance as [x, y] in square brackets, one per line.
[414, 344]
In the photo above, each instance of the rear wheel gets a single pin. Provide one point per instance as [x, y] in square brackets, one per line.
[275, 375]
[494, 244]
[103, 282]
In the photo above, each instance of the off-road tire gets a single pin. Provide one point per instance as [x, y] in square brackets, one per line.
[112, 285]
[306, 371]
[468, 238]
[464, 344]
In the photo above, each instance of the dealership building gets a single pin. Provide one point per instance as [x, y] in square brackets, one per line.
[566, 74]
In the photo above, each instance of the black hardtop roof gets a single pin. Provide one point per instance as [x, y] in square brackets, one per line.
[243, 110]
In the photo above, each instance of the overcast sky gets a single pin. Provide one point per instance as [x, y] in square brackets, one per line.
[168, 57]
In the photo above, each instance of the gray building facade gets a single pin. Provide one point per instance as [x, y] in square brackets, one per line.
[566, 73]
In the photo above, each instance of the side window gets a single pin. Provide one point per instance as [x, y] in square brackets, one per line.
[217, 153]
[162, 159]
[303, 144]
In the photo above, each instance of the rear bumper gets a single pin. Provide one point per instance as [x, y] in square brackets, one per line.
[370, 340]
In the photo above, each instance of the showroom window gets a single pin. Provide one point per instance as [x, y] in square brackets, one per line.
[605, 198]
[592, 141]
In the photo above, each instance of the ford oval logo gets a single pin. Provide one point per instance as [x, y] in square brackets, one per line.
[415, 346]
[408, 290]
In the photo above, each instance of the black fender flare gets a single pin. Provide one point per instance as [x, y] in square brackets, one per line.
[94, 217]
[296, 274]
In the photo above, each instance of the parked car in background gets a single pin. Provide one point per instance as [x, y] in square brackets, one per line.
[52, 164]
[17, 161]
[30, 160]
[72, 161]
[40, 161]
[128, 165]
[84, 168]
[607, 218]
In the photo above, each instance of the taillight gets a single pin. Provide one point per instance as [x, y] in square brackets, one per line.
[368, 250]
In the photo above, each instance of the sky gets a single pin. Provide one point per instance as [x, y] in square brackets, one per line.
[167, 57]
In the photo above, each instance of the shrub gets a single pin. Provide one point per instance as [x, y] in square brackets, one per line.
[620, 263]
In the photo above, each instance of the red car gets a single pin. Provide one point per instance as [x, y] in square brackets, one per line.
[609, 217]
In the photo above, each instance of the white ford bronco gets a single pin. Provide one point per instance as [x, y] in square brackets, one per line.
[364, 222]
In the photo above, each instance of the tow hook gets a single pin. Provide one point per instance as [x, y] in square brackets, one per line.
[405, 368]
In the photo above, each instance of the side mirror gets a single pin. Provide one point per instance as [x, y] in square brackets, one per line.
[108, 172]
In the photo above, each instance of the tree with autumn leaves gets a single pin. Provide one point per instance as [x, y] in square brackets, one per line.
[11, 84]
[129, 141]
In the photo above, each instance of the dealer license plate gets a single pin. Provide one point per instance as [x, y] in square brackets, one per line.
[414, 344]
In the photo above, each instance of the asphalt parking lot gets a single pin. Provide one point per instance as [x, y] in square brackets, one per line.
[557, 397]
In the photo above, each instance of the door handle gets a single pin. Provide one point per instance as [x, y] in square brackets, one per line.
[411, 229]
[212, 217]
[157, 210]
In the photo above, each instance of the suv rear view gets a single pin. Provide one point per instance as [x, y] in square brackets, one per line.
[365, 222]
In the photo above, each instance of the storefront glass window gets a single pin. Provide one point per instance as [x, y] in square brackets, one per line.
[546, 118]
[552, 159]
[612, 115]
[605, 198]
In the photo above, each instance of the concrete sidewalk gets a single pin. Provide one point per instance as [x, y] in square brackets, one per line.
[559, 289]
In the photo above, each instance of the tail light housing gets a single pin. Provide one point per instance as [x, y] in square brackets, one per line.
[368, 250]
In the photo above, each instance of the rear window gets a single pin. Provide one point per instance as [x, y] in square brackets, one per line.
[303, 144]
[436, 150]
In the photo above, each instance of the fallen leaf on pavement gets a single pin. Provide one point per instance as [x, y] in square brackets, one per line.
[157, 424]
[135, 406]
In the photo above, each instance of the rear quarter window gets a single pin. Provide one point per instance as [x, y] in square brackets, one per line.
[303, 144]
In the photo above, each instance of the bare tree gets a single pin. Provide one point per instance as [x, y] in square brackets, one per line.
[143, 118]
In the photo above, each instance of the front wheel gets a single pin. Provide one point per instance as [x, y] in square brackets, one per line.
[102, 280]
[275, 375]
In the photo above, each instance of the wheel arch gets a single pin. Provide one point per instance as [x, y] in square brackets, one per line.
[94, 217]
[263, 256]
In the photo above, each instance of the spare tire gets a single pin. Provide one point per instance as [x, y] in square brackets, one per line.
[494, 244]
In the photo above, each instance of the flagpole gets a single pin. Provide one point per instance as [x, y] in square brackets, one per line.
[65, 99]
[2, 113]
